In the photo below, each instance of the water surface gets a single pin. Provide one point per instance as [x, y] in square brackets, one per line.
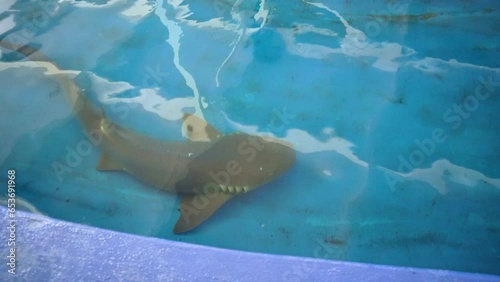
[391, 106]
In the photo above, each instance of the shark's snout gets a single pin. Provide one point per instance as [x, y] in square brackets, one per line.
[280, 156]
[273, 158]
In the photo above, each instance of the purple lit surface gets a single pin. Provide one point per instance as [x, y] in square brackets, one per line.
[53, 250]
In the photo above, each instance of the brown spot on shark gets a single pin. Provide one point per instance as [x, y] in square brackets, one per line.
[207, 170]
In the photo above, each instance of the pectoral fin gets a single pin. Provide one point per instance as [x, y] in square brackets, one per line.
[196, 208]
[106, 163]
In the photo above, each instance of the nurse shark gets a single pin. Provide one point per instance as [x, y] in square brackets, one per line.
[207, 170]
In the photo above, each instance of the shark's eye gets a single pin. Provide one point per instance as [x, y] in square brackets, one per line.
[189, 128]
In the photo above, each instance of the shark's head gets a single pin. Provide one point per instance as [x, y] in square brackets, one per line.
[262, 159]
[238, 163]
[234, 164]
[231, 164]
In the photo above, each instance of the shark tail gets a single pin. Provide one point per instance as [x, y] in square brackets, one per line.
[90, 115]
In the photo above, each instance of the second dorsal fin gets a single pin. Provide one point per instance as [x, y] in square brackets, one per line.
[198, 130]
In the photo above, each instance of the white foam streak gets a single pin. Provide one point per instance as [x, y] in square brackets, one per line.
[175, 33]
[440, 173]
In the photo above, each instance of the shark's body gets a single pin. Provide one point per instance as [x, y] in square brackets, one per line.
[206, 173]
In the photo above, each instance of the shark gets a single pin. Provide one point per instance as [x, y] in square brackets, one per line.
[207, 169]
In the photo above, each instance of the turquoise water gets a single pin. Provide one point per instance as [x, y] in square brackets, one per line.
[391, 106]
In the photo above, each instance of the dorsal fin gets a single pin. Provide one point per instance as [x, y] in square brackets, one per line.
[198, 130]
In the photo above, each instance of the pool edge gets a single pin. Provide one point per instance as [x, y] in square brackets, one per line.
[59, 250]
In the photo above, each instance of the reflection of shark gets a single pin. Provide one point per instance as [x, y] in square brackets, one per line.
[207, 173]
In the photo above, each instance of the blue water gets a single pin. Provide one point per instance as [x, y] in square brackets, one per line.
[393, 108]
